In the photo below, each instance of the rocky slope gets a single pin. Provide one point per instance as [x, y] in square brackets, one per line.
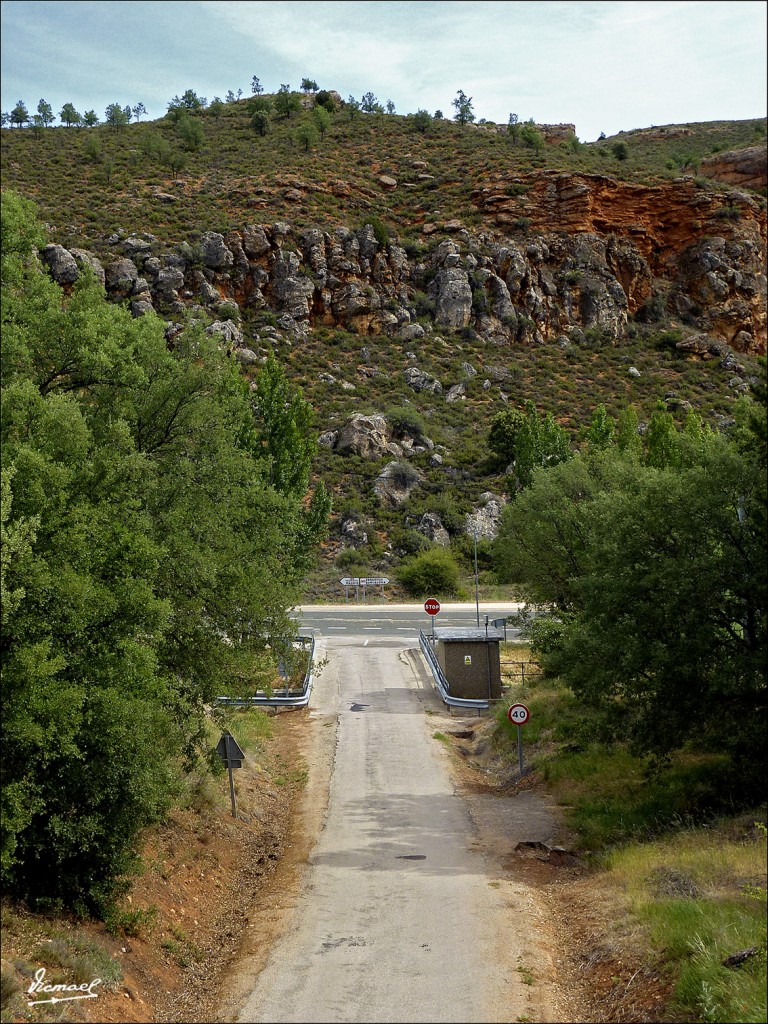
[558, 254]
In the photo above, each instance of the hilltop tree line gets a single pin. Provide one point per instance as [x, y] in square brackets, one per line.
[283, 104]
[156, 528]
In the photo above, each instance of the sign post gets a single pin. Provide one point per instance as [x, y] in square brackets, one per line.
[363, 581]
[230, 753]
[518, 715]
[432, 607]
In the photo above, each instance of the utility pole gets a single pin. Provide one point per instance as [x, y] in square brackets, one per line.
[477, 597]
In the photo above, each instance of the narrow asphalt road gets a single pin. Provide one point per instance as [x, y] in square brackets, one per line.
[399, 918]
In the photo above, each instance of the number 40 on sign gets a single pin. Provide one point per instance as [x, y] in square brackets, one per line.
[518, 714]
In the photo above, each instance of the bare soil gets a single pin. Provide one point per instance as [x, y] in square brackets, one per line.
[219, 891]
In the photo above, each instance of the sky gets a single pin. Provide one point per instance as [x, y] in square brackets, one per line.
[602, 66]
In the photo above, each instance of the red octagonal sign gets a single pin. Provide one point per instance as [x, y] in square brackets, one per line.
[431, 606]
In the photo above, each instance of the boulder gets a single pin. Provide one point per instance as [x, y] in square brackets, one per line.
[120, 277]
[367, 436]
[432, 527]
[486, 519]
[420, 380]
[395, 483]
[453, 303]
[61, 264]
[87, 261]
[214, 252]
[747, 168]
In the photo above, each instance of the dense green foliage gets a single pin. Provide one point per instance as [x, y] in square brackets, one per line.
[652, 558]
[154, 536]
[434, 572]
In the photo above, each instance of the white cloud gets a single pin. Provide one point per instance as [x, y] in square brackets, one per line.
[602, 65]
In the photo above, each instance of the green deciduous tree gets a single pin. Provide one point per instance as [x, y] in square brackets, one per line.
[369, 103]
[308, 85]
[322, 120]
[191, 132]
[69, 116]
[531, 136]
[256, 86]
[463, 107]
[502, 437]
[45, 113]
[284, 433]
[287, 102]
[90, 119]
[92, 149]
[19, 115]
[138, 110]
[657, 573]
[260, 122]
[513, 128]
[116, 116]
[189, 100]
[324, 99]
[602, 429]
[538, 443]
[155, 536]
[307, 136]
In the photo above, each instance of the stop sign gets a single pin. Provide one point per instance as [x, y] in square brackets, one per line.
[431, 606]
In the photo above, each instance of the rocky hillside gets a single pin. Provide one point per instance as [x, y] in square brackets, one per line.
[594, 253]
[454, 275]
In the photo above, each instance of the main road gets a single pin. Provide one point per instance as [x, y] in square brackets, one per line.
[376, 620]
[400, 917]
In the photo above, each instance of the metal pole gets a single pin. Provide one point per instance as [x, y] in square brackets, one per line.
[477, 598]
[232, 790]
[520, 747]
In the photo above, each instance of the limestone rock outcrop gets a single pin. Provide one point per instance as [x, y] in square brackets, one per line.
[593, 253]
[747, 168]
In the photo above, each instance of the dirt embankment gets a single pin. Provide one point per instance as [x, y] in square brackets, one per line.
[216, 892]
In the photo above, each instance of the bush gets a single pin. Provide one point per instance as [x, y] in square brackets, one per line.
[404, 419]
[380, 230]
[433, 572]
[324, 99]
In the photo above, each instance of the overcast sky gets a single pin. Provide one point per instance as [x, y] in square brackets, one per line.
[603, 66]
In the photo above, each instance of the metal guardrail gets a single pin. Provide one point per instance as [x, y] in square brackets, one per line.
[288, 699]
[442, 683]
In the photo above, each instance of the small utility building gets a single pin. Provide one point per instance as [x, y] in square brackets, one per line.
[469, 659]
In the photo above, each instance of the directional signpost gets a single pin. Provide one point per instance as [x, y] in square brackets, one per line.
[230, 753]
[518, 715]
[363, 581]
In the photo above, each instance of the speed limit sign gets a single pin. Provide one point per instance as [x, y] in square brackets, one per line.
[518, 714]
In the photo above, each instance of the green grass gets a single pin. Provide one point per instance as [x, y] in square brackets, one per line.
[694, 884]
[700, 897]
[250, 726]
